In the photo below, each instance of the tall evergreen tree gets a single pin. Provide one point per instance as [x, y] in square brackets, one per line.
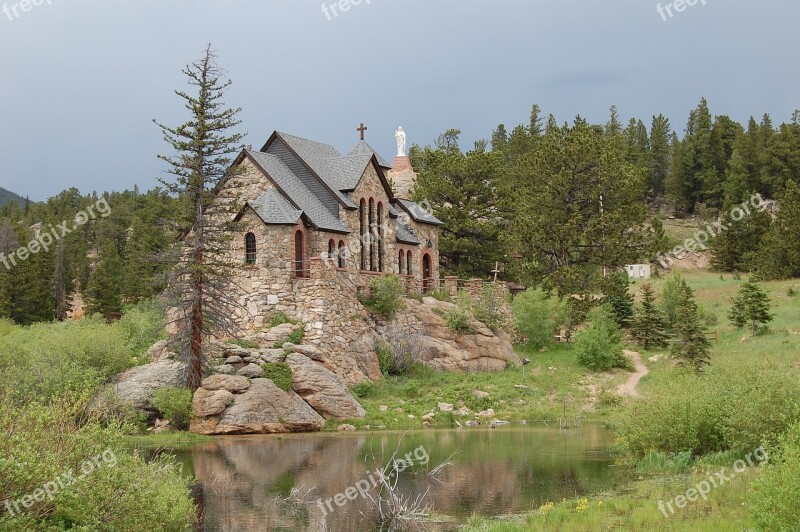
[779, 257]
[203, 148]
[104, 292]
[660, 155]
[649, 325]
[751, 305]
[691, 346]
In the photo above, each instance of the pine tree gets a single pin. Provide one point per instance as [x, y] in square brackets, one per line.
[616, 292]
[649, 325]
[104, 292]
[203, 147]
[751, 305]
[660, 155]
[691, 345]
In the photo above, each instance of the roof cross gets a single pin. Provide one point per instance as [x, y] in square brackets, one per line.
[362, 129]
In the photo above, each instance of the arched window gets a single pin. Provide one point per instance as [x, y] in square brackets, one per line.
[331, 249]
[409, 267]
[401, 258]
[362, 221]
[250, 250]
[372, 264]
[380, 237]
[299, 256]
[341, 254]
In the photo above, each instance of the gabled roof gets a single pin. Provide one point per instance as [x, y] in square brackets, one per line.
[297, 193]
[316, 155]
[346, 171]
[273, 208]
[418, 213]
[362, 148]
[405, 235]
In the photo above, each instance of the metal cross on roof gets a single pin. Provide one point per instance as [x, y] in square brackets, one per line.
[362, 129]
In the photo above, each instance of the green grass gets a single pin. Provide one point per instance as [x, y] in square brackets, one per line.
[637, 509]
[171, 440]
[552, 379]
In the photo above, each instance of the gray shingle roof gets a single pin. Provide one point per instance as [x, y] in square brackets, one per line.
[418, 213]
[303, 198]
[318, 156]
[405, 235]
[363, 148]
[346, 172]
[273, 208]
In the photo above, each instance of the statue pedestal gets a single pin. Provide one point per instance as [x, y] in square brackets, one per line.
[403, 176]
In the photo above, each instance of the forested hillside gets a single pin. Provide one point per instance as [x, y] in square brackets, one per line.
[6, 196]
[554, 203]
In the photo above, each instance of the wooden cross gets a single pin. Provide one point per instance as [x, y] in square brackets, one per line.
[362, 129]
[496, 270]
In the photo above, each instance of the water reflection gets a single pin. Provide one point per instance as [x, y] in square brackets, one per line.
[247, 482]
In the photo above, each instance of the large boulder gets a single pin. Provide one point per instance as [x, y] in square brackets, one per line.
[211, 403]
[441, 348]
[138, 385]
[325, 391]
[262, 409]
[232, 383]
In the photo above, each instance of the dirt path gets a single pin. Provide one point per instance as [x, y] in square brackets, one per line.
[629, 387]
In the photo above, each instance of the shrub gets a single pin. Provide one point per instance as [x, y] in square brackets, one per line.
[441, 295]
[400, 351]
[538, 316]
[280, 373]
[386, 296]
[728, 408]
[671, 298]
[297, 336]
[599, 347]
[363, 389]
[123, 493]
[247, 344]
[279, 318]
[488, 308]
[457, 318]
[174, 404]
[775, 496]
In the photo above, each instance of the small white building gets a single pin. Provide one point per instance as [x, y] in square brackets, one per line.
[638, 271]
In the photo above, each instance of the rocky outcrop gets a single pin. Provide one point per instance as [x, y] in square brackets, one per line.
[325, 391]
[262, 408]
[138, 385]
[441, 348]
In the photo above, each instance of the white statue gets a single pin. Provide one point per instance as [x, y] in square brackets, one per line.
[400, 135]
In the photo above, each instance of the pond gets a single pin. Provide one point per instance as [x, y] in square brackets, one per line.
[319, 482]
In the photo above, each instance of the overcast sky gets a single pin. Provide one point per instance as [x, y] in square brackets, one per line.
[81, 80]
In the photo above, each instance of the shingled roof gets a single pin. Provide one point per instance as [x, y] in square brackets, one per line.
[297, 193]
[418, 213]
[273, 208]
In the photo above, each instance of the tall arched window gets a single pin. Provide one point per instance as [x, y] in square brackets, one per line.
[409, 267]
[372, 263]
[362, 221]
[401, 258]
[331, 249]
[250, 251]
[299, 256]
[380, 236]
[341, 254]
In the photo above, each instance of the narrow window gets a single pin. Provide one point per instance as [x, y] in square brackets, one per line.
[331, 249]
[299, 256]
[409, 268]
[250, 248]
[341, 254]
[380, 237]
[400, 260]
[371, 235]
[362, 221]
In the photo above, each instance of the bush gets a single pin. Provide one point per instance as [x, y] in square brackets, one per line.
[775, 496]
[488, 308]
[247, 344]
[671, 298]
[457, 319]
[730, 408]
[363, 389]
[386, 296]
[174, 404]
[297, 336]
[400, 352]
[599, 347]
[122, 491]
[441, 295]
[280, 373]
[538, 317]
